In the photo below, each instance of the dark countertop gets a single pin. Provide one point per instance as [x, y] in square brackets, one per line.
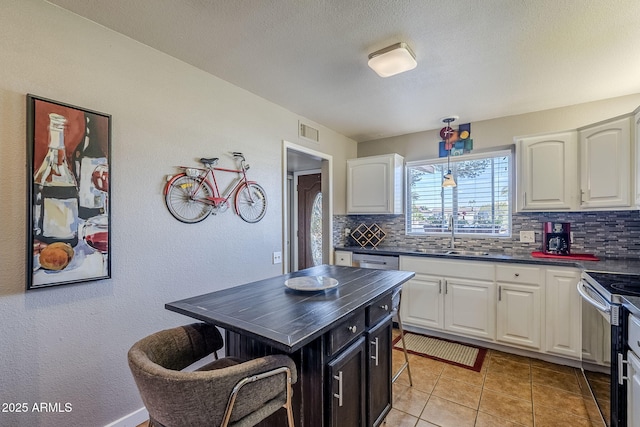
[610, 265]
[287, 319]
[607, 265]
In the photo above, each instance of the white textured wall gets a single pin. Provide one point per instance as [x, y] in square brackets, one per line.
[69, 343]
[501, 131]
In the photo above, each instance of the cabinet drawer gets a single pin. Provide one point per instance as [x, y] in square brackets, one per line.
[634, 334]
[518, 274]
[379, 309]
[345, 332]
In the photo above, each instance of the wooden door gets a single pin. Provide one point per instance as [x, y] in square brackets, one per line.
[309, 236]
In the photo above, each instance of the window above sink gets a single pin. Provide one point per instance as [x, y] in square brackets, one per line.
[480, 204]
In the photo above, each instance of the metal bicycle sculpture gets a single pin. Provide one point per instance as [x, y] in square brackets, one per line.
[193, 194]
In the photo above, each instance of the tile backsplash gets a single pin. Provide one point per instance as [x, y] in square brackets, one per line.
[606, 234]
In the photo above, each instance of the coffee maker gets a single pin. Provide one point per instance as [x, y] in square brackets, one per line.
[556, 238]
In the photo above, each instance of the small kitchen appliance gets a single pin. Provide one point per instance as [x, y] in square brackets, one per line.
[556, 238]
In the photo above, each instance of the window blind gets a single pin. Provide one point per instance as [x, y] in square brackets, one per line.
[480, 203]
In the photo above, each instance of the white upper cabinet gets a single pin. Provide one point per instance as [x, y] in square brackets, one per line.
[548, 172]
[375, 185]
[605, 164]
[593, 168]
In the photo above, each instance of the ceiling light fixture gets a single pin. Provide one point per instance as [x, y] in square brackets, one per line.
[446, 132]
[392, 60]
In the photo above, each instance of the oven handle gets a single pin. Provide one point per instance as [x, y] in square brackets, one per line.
[602, 307]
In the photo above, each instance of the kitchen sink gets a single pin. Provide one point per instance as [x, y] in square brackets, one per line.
[467, 253]
[452, 252]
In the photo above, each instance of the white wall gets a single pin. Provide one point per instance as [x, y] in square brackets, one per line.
[69, 343]
[501, 131]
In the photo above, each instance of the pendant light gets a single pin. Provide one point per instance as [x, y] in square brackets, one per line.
[446, 132]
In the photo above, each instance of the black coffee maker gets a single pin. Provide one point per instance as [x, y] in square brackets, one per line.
[556, 238]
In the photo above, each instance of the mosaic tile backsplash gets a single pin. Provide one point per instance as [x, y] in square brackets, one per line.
[607, 234]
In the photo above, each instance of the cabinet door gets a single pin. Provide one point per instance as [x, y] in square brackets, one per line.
[605, 164]
[346, 377]
[368, 187]
[379, 372]
[519, 314]
[375, 185]
[594, 343]
[422, 302]
[633, 390]
[470, 307]
[563, 313]
[548, 172]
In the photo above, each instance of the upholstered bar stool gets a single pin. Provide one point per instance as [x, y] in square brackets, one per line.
[225, 392]
[396, 301]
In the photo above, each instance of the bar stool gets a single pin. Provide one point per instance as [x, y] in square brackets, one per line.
[396, 300]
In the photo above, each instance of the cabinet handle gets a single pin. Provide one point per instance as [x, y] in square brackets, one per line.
[385, 307]
[353, 329]
[517, 274]
[440, 286]
[499, 293]
[621, 363]
[446, 288]
[376, 343]
[524, 199]
[339, 395]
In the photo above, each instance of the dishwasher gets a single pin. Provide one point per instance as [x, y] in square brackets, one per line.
[377, 262]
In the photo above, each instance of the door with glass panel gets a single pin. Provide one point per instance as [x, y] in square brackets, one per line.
[309, 220]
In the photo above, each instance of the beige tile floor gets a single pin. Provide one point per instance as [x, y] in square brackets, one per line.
[509, 390]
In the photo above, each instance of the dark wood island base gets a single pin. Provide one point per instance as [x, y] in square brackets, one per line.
[340, 339]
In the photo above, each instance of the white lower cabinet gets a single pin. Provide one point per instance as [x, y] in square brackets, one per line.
[527, 306]
[422, 301]
[450, 296]
[519, 308]
[633, 390]
[469, 307]
[563, 313]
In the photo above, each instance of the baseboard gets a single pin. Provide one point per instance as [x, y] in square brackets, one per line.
[132, 420]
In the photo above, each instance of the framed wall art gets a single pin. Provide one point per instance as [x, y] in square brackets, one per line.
[68, 169]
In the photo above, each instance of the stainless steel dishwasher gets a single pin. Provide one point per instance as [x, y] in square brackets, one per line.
[378, 262]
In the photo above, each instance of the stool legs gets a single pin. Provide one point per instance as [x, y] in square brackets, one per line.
[405, 365]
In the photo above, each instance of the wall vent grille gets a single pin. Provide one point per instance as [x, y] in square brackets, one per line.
[307, 132]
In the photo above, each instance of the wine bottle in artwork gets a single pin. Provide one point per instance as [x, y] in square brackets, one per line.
[89, 154]
[56, 191]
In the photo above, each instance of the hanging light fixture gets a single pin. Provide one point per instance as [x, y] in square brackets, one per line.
[446, 133]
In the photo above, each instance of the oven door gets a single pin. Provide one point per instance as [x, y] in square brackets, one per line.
[601, 342]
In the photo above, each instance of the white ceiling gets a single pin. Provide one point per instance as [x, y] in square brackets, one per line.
[476, 59]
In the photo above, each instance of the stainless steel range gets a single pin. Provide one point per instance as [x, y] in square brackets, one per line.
[604, 340]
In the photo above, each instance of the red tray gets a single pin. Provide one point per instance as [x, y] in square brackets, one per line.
[580, 257]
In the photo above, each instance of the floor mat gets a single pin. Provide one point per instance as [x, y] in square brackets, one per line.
[454, 353]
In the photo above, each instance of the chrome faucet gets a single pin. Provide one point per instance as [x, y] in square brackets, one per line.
[451, 228]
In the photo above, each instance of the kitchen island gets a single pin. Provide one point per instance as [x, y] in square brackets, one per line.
[339, 338]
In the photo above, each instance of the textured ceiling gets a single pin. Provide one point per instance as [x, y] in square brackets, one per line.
[476, 59]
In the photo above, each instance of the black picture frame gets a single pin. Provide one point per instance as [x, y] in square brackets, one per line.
[69, 197]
